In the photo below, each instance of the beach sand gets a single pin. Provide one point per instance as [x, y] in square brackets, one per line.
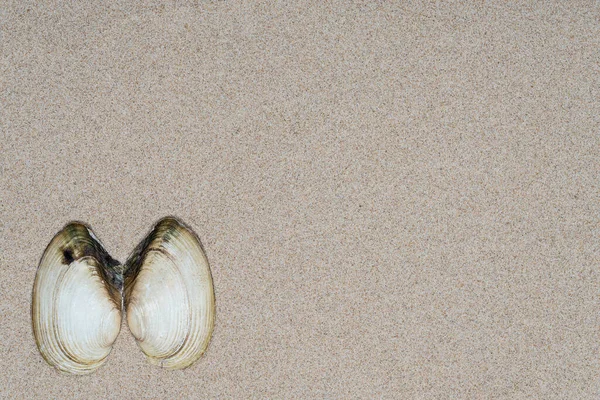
[397, 201]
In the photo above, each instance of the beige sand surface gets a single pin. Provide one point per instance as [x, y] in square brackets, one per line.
[397, 200]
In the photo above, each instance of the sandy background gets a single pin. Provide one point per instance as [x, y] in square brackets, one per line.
[397, 201]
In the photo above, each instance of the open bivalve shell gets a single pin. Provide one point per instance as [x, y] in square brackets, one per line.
[80, 293]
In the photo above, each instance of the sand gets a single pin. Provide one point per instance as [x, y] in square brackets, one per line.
[397, 200]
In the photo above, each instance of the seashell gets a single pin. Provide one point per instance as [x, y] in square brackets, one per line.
[76, 305]
[80, 292]
[169, 297]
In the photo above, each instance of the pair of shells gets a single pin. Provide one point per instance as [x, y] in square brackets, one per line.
[80, 293]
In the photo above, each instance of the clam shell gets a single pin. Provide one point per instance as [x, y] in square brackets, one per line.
[169, 297]
[76, 304]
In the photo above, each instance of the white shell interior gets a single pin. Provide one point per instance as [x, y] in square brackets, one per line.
[170, 309]
[170, 300]
[75, 322]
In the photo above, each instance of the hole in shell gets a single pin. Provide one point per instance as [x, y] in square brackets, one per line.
[68, 256]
